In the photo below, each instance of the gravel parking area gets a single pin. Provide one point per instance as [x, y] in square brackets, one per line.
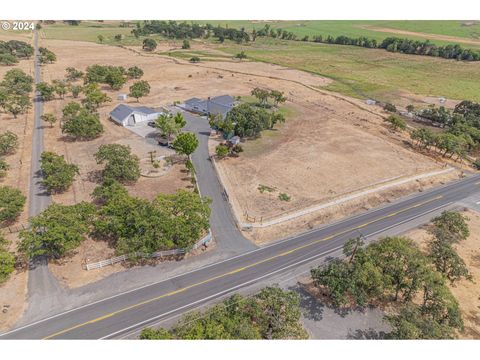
[324, 322]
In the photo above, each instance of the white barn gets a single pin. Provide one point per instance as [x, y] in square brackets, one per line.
[131, 116]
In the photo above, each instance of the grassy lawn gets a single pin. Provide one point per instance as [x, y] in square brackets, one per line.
[372, 73]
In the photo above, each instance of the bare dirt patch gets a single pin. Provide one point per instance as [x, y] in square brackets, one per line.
[170, 80]
[13, 299]
[80, 55]
[334, 213]
[327, 149]
[70, 271]
[13, 292]
[466, 292]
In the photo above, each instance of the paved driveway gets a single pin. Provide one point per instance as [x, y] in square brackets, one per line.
[224, 228]
[147, 132]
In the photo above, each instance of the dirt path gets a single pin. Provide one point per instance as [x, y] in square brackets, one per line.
[351, 101]
[420, 34]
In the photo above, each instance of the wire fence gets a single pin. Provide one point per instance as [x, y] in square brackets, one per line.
[159, 254]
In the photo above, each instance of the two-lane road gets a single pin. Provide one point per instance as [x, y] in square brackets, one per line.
[119, 315]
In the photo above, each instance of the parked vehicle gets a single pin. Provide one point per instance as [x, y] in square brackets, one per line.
[163, 141]
[151, 124]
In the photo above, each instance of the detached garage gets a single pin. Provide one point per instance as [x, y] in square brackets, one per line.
[133, 115]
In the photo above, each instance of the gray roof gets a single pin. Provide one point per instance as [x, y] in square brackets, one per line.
[192, 101]
[215, 105]
[122, 111]
[214, 108]
[144, 110]
[225, 100]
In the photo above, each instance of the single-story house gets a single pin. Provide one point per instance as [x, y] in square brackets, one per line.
[220, 105]
[126, 115]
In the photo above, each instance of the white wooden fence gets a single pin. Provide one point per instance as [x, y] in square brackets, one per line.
[159, 254]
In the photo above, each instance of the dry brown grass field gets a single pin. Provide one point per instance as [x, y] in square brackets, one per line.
[466, 292]
[12, 293]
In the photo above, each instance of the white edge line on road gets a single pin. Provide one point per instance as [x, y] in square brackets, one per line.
[201, 268]
[266, 275]
[222, 292]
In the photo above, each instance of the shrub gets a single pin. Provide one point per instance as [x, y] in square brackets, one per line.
[241, 55]
[120, 164]
[396, 122]
[7, 265]
[8, 143]
[57, 230]
[46, 91]
[58, 174]
[273, 313]
[79, 123]
[3, 168]
[11, 203]
[134, 72]
[390, 107]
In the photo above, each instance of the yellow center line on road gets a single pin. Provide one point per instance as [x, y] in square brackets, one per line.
[232, 272]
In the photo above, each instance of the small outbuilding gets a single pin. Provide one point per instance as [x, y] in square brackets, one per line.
[133, 115]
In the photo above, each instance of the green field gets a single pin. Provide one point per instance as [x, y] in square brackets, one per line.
[357, 71]
[89, 30]
[372, 73]
[459, 28]
[356, 28]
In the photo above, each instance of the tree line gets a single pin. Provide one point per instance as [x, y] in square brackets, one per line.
[392, 44]
[416, 47]
[461, 126]
[394, 270]
[129, 224]
[183, 30]
[272, 313]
